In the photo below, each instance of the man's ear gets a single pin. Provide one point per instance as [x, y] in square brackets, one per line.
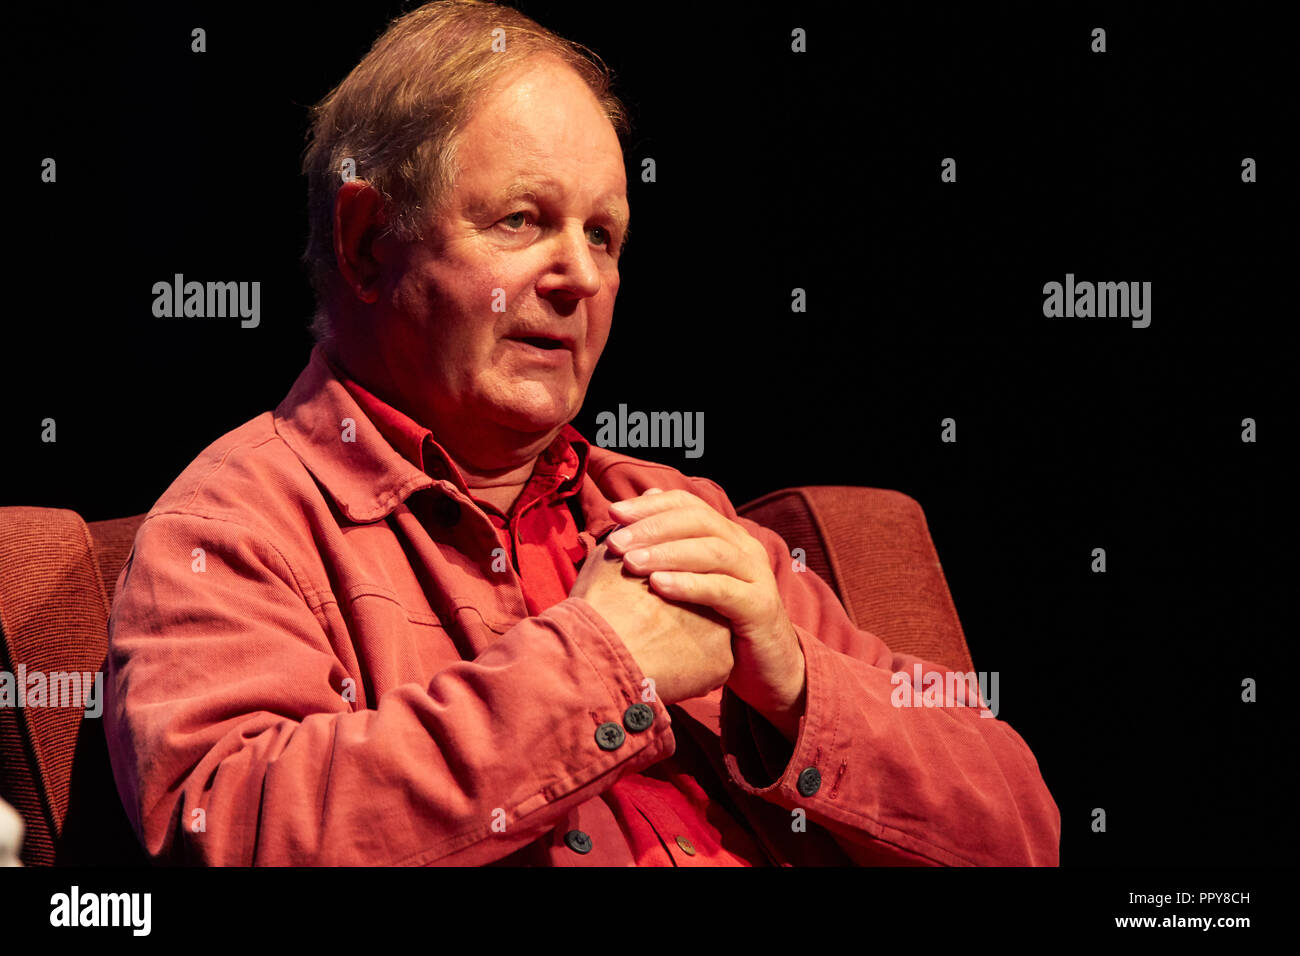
[358, 217]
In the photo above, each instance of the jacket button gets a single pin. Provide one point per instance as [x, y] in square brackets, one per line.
[687, 846]
[610, 736]
[810, 781]
[638, 717]
[578, 841]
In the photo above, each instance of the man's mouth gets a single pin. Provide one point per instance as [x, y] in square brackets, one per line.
[540, 342]
[547, 343]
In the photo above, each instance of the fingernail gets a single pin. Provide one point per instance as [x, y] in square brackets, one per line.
[639, 556]
[619, 538]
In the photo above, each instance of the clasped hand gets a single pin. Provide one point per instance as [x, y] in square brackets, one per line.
[716, 580]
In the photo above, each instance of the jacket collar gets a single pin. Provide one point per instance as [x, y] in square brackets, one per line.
[366, 476]
[326, 428]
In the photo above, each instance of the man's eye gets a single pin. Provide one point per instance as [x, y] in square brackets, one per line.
[517, 220]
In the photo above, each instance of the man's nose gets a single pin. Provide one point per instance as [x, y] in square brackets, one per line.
[574, 270]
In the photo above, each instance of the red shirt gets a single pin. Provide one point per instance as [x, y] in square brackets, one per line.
[668, 818]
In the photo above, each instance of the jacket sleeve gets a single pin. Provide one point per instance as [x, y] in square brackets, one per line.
[232, 741]
[904, 785]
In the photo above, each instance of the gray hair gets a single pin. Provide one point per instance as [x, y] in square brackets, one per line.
[398, 115]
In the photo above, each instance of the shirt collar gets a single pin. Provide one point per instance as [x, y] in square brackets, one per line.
[385, 456]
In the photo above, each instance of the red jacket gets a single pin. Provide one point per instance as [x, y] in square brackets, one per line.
[666, 817]
[312, 660]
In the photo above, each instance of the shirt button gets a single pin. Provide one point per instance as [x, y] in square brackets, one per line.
[610, 736]
[810, 781]
[687, 846]
[638, 717]
[578, 841]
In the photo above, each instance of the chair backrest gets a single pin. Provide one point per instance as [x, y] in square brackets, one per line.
[58, 575]
[873, 547]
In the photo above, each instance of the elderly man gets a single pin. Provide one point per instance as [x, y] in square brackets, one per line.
[387, 623]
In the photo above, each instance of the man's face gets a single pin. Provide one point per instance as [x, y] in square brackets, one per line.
[533, 226]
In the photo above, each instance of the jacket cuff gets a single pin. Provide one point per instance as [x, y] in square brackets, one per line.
[609, 657]
[758, 757]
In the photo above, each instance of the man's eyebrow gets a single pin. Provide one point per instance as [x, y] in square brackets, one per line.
[530, 191]
[521, 191]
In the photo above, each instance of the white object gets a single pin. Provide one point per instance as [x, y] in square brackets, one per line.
[11, 835]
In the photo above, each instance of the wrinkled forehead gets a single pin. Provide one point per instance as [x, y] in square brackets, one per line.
[541, 120]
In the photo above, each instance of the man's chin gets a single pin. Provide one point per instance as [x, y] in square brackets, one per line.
[532, 423]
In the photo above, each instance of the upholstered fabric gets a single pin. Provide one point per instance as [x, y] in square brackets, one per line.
[873, 547]
[53, 613]
[58, 574]
[56, 581]
[112, 544]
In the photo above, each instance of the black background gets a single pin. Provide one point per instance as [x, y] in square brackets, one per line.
[776, 171]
